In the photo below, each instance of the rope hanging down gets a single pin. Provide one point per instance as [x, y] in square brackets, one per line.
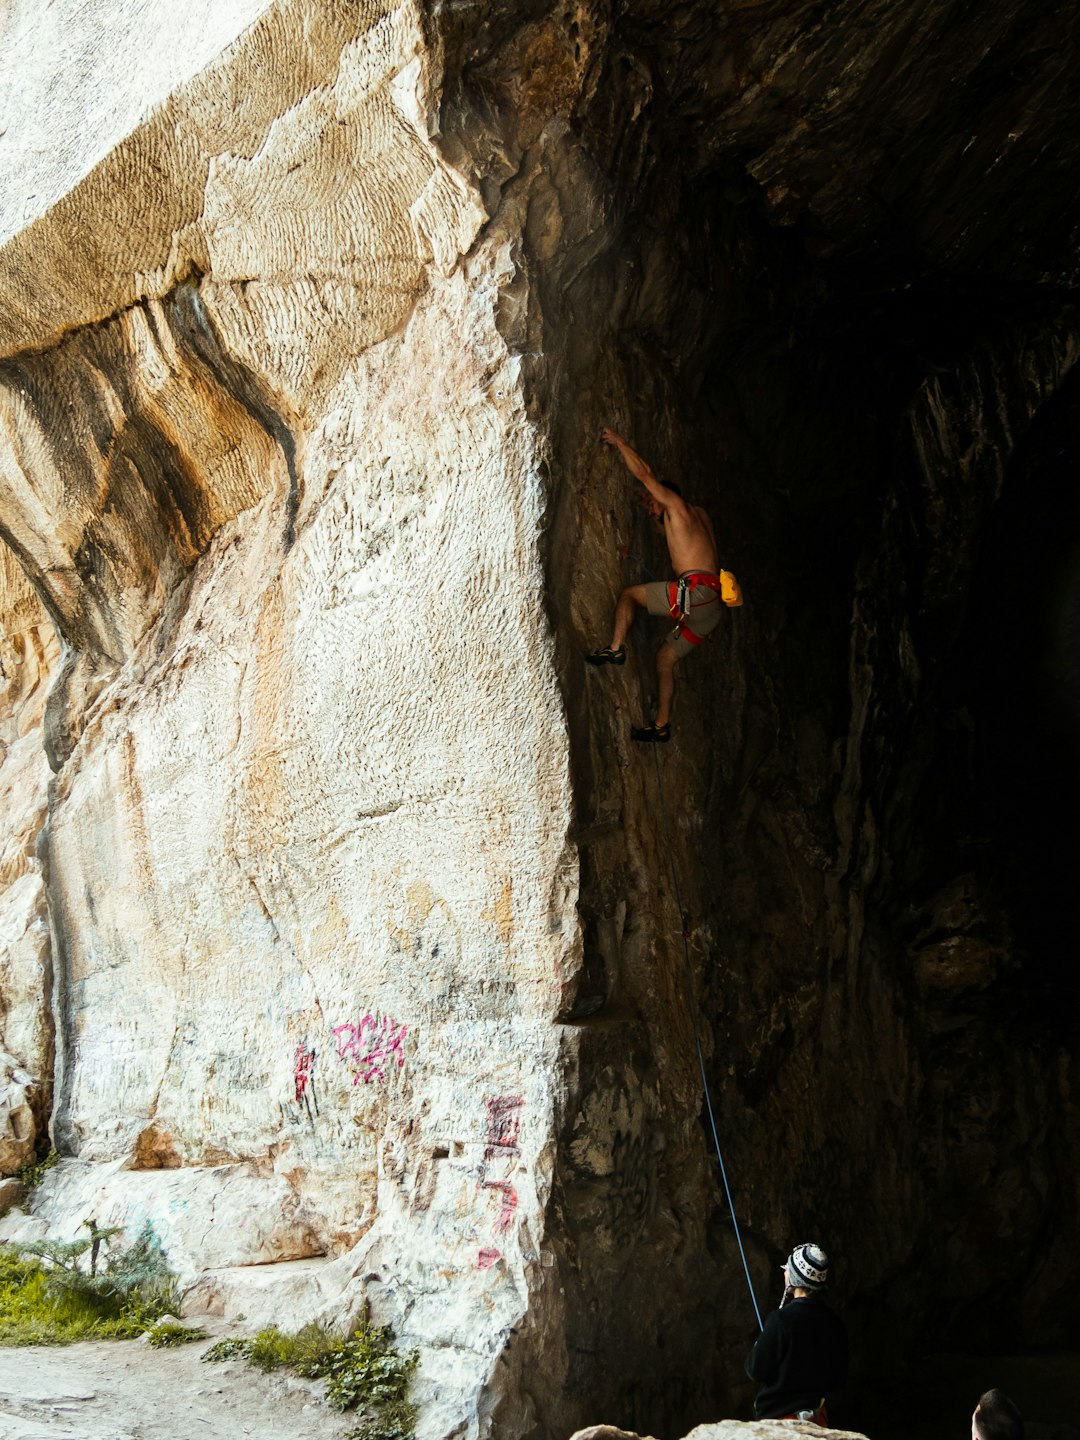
[695, 1018]
[696, 1023]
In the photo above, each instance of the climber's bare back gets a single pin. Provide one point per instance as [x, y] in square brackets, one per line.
[690, 539]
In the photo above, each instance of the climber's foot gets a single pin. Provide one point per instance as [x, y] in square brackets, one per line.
[607, 656]
[651, 734]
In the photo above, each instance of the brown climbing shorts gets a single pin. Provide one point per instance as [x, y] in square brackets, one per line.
[706, 608]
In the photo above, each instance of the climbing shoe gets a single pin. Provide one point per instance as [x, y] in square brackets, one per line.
[651, 734]
[607, 656]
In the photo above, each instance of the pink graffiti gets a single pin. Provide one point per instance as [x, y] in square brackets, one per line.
[503, 1125]
[368, 1043]
[487, 1258]
[508, 1202]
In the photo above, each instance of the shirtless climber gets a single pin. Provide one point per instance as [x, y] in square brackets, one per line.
[695, 600]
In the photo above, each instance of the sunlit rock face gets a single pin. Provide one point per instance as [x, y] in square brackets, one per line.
[267, 462]
[27, 663]
[345, 944]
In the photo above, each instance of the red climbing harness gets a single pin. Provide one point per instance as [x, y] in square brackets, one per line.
[725, 586]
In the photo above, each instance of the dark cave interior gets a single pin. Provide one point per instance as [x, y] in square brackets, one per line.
[979, 781]
[811, 371]
[984, 779]
[834, 296]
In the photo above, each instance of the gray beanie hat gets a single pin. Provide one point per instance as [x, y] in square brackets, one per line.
[809, 1267]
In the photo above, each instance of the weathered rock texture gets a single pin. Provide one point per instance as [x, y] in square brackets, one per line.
[725, 1430]
[27, 661]
[311, 897]
[348, 943]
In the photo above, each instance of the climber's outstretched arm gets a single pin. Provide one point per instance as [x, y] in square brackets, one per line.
[664, 496]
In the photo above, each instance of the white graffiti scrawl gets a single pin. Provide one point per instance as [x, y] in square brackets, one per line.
[371, 1046]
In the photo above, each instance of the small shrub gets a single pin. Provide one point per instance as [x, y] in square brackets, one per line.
[141, 1269]
[32, 1175]
[393, 1423]
[29, 1313]
[53, 1291]
[141, 1311]
[228, 1350]
[160, 1337]
[361, 1370]
[368, 1371]
[271, 1349]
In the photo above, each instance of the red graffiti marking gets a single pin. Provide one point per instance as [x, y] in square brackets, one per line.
[503, 1125]
[304, 1079]
[305, 1063]
[501, 1136]
[508, 1202]
[365, 1051]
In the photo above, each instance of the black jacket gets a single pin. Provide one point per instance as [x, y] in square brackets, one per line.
[801, 1355]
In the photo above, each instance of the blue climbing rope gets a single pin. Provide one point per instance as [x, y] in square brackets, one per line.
[695, 1014]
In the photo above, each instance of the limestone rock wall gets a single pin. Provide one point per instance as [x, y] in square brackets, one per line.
[27, 664]
[277, 458]
[267, 462]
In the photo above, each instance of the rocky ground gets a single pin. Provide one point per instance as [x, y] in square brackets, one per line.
[107, 1390]
[110, 1390]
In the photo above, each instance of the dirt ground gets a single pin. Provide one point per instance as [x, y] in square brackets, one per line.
[123, 1390]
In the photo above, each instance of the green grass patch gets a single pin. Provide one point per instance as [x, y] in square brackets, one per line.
[228, 1350]
[363, 1371]
[163, 1336]
[56, 1292]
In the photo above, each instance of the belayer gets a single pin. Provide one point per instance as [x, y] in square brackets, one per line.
[801, 1354]
[695, 600]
